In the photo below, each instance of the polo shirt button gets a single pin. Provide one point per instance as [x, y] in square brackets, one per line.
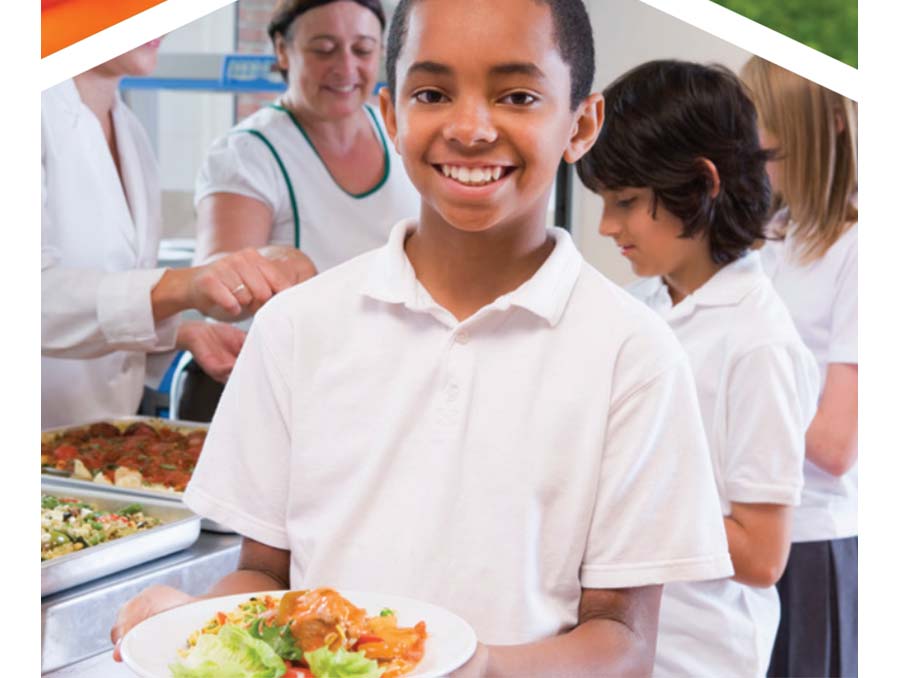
[452, 392]
[462, 337]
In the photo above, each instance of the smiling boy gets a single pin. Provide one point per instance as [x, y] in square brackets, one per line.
[476, 417]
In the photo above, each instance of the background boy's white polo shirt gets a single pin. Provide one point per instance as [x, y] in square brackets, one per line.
[757, 386]
[495, 466]
[822, 298]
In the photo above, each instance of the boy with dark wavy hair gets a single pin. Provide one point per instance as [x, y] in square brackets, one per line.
[682, 175]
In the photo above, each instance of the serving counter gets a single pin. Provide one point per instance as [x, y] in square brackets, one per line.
[75, 623]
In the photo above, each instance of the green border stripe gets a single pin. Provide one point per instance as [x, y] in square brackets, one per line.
[257, 133]
[383, 143]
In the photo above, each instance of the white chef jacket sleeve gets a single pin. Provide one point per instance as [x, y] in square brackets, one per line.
[241, 479]
[241, 163]
[843, 330]
[657, 515]
[770, 400]
[87, 313]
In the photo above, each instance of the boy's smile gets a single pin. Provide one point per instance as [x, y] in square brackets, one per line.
[482, 113]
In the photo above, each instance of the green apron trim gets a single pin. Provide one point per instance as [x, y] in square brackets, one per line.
[258, 134]
[383, 143]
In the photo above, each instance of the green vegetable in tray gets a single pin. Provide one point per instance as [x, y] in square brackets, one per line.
[69, 525]
[342, 664]
[231, 653]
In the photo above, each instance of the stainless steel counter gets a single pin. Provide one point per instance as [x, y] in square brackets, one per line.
[75, 623]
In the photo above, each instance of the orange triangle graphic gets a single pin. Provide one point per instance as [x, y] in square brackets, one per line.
[65, 22]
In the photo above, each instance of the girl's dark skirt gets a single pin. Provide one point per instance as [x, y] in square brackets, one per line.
[817, 636]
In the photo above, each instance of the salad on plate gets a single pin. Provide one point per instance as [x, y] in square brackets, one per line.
[314, 633]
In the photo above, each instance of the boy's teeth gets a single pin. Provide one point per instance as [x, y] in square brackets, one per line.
[472, 176]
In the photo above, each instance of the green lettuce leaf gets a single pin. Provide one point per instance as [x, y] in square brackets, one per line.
[232, 653]
[280, 638]
[342, 664]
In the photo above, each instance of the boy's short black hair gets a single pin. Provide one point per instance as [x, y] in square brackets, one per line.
[661, 118]
[573, 35]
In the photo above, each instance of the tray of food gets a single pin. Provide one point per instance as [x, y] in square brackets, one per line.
[314, 633]
[90, 533]
[144, 455]
[134, 456]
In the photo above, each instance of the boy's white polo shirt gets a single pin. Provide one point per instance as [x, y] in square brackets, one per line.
[757, 387]
[495, 466]
[822, 298]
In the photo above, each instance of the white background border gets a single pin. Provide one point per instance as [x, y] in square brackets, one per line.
[25, 76]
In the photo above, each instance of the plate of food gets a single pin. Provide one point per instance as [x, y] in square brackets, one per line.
[315, 633]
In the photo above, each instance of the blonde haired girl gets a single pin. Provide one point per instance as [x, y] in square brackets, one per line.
[812, 260]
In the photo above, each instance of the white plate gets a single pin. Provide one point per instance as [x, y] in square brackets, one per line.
[152, 645]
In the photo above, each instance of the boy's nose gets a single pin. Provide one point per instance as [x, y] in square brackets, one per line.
[470, 124]
[608, 226]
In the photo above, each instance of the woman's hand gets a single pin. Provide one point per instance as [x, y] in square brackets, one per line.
[237, 285]
[150, 602]
[214, 346]
[293, 262]
[230, 288]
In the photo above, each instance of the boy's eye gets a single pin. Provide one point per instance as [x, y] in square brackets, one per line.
[625, 202]
[429, 96]
[363, 52]
[519, 99]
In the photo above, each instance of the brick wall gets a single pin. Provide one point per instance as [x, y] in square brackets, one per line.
[252, 38]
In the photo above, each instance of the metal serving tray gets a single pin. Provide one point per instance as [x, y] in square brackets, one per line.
[179, 530]
[77, 484]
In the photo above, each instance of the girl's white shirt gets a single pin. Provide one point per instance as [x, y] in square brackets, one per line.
[269, 157]
[822, 299]
[757, 386]
[99, 241]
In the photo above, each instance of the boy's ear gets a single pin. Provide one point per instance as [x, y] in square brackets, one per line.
[587, 125]
[388, 112]
[710, 171]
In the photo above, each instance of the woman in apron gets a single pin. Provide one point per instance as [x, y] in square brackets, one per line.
[313, 175]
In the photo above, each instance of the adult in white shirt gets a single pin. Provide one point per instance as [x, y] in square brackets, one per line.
[312, 174]
[313, 171]
[104, 304]
[686, 195]
[811, 258]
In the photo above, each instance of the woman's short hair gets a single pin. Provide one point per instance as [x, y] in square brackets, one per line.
[662, 120]
[816, 130]
[286, 11]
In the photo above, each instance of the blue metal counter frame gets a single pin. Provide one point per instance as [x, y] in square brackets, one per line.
[196, 85]
[238, 73]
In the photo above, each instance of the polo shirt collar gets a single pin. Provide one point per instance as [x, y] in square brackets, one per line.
[392, 279]
[727, 287]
